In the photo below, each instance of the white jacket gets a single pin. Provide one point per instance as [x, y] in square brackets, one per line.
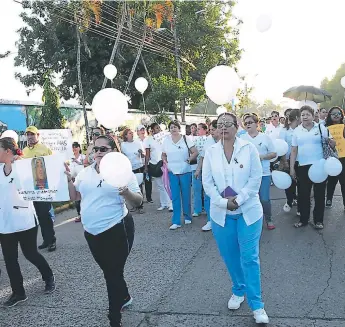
[244, 175]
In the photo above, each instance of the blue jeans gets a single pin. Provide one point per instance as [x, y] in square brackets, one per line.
[197, 192]
[238, 245]
[265, 198]
[207, 206]
[181, 184]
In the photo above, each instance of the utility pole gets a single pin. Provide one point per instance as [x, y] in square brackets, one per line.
[178, 67]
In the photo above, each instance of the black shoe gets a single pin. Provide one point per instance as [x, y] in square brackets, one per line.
[52, 247]
[50, 285]
[43, 246]
[14, 300]
[150, 201]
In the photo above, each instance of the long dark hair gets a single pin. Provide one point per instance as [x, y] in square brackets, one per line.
[294, 115]
[329, 121]
[8, 143]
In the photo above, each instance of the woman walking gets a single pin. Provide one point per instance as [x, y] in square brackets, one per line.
[177, 152]
[333, 122]
[89, 158]
[264, 145]
[109, 228]
[232, 174]
[307, 149]
[18, 225]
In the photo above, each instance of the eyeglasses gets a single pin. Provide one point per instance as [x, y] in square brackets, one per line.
[336, 114]
[96, 134]
[226, 125]
[248, 123]
[101, 149]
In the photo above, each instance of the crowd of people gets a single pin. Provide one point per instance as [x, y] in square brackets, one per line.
[221, 167]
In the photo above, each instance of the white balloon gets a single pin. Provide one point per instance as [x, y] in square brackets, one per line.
[140, 178]
[11, 134]
[110, 71]
[333, 166]
[281, 180]
[116, 169]
[342, 81]
[309, 103]
[220, 110]
[263, 23]
[281, 147]
[110, 107]
[141, 84]
[221, 84]
[317, 173]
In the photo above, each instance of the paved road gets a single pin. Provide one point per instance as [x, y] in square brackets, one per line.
[177, 278]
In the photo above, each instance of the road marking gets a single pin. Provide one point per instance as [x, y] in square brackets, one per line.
[65, 222]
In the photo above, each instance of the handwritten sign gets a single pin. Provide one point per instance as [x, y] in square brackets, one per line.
[337, 132]
[58, 140]
[42, 179]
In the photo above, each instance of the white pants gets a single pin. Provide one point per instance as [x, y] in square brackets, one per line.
[163, 195]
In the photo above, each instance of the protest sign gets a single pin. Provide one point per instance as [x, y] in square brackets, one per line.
[58, 140]
[42, 179]
[337, 131]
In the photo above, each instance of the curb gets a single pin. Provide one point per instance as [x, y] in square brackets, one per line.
[64, 207]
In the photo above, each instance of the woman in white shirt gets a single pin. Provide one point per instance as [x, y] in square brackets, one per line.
[231, 177]
[18, 225]
[266, 149]
[77, 165]
[306, 148]
[133, 150]
[178, 152]
[109, 227]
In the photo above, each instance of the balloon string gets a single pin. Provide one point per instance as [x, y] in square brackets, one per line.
[111, 83]
[144, 103]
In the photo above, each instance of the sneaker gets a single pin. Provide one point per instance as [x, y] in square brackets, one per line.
[329, 204]
[294, 203]
[52, 247]
[207, 227]
[77, 219]
[174, 226]
[260, 316]
[14, 300]
[128, 302]
[187, 222]
[171, 208]
[270, 225]
[150, 201]
[286, 208]
[235, 302]
[50, 285]
[43, 246]
[160, 208]
[195, 214]
[318, 226]
[298, 213]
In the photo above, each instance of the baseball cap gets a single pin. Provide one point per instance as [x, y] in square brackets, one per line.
[31, 129]
[140, 127]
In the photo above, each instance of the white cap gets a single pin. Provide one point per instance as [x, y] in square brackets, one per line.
[140, 127]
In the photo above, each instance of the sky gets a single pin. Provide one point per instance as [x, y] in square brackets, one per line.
[303, 45]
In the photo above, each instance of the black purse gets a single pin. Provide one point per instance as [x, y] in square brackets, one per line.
[194, 161]
[155, 170]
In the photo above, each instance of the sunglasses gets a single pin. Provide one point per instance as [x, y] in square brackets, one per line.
[97, 134]
[226, 125]
[335, 114]
[248, 123]
[101, 149]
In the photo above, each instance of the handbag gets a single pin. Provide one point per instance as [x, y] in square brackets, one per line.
[327, 150]
[194, 161]
[155, 170]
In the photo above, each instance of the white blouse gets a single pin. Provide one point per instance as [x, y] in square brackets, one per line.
[131, 151]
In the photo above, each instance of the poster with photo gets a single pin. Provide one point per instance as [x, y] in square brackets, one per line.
[58, 140]
[42, 179]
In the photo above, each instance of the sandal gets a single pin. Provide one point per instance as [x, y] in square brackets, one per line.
[300, 224]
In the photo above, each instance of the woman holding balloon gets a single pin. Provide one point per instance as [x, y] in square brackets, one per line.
[306, 148]
[109, 227]
[266, 149]
[334, 123]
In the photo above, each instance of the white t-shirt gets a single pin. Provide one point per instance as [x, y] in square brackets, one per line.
[131, 151]
[154, 143]
[272, 131]
[209, 142]
[309, 143]
[77, 165]
[264, 145]
[177, 154]
[16, 215]
[102, 207]
[286, 135]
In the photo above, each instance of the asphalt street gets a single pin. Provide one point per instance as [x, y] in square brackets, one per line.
[177, 278]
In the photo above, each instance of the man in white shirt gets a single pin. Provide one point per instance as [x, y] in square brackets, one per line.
[273, 129]
[153, 148]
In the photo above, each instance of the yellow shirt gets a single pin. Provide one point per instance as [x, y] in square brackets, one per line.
[38, 150]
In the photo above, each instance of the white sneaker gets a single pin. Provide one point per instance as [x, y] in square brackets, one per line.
[174, 226]
[171, 208]
[187, 222]
[195, 214]
[260, 316]
[298, 213]
[286, 208]
[160, 208]
[235, 302]
[207, 227]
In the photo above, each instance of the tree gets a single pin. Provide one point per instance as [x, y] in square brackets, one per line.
[267, 107]
[334, 87]
[51, 117]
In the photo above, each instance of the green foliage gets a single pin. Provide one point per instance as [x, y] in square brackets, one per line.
[334, 87]
[51, 117]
